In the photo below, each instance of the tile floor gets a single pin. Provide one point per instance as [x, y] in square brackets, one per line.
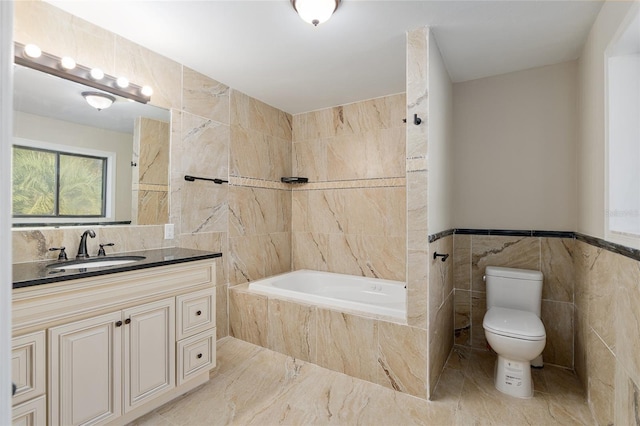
[256, 386]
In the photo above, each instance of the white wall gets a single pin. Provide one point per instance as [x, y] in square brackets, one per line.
[440, 126]
[591, 101]
[514, 150]
[6, 108]
[45, 129]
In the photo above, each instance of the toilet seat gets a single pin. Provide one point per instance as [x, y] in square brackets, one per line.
[514, 323]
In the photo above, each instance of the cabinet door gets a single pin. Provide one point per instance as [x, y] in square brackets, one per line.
[149, 351]
[85, 359]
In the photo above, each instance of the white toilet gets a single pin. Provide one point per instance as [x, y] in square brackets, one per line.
[513, 327]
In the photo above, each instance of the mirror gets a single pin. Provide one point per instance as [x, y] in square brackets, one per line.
[52, 116]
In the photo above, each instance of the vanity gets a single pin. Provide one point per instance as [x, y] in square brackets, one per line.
[108, 344]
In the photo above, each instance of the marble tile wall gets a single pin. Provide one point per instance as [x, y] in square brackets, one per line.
[607, 296]
[417, 177]
[259, 204]
[200, 146]
[441, 301]
[552, 256]
[150, 176]
[350, 218]
[383, 352]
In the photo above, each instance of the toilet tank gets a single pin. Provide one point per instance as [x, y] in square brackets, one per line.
[514, 288]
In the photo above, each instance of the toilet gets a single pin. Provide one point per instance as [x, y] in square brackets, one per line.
[513, 327]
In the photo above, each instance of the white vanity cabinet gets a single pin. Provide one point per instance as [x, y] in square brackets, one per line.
[120, 345]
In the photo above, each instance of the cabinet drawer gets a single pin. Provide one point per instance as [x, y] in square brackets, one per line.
[30, 413]
[196, 354]
[28, 366]
[196, 312]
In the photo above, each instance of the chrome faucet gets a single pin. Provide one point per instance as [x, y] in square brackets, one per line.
[82, 248]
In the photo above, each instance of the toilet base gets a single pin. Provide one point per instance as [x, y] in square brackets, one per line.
[513, 377]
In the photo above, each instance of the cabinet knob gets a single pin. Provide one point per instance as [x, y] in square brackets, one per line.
[199, 356]
[127, 321]
[199, 313]
[118, 323]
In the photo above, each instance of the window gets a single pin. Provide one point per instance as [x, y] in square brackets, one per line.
[623, 134]
[55, 183]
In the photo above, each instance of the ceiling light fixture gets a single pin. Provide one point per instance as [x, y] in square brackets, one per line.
[31, 56]
[98, 100]
[315, 12]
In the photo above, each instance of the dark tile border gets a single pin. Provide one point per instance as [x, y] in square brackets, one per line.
[502, 233]
[596, 242]
[607, 245]
[553, 234]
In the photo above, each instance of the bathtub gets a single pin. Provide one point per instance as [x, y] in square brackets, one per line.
[370, 295]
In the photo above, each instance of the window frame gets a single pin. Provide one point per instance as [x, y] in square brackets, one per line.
[108, 182]
[616, 48]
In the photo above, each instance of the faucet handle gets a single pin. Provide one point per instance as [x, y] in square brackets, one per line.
[62, 255]
[102, 246]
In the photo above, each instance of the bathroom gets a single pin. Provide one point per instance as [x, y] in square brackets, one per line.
[391, 213]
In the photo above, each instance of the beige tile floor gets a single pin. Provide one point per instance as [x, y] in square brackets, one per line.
[256, 386]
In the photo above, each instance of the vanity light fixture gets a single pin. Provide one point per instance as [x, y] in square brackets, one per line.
[315, 12]
[98, 100]
[93, 77]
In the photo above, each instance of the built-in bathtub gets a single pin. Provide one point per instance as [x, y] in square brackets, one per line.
[368, 295]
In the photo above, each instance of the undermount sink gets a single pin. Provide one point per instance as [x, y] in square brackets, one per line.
[96, 262]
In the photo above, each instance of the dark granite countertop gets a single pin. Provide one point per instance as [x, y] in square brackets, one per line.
[37, 273]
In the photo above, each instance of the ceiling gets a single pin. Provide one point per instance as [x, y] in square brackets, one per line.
[265, 50]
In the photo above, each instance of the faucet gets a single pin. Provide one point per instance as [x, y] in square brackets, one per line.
[82, 248]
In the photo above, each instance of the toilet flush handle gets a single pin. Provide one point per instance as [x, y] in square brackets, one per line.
[484, 278]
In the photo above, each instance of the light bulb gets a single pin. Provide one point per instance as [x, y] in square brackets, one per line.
[122, 82]
[146, 90]
[67, 63]
[97, 74]
[32, 51]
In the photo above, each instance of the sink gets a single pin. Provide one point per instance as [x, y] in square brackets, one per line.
[96, 262]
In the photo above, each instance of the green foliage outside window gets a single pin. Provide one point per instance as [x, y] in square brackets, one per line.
[49, 183]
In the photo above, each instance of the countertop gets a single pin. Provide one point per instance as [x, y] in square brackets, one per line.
[37, 273]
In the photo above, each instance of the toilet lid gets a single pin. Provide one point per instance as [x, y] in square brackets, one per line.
[514, 323]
